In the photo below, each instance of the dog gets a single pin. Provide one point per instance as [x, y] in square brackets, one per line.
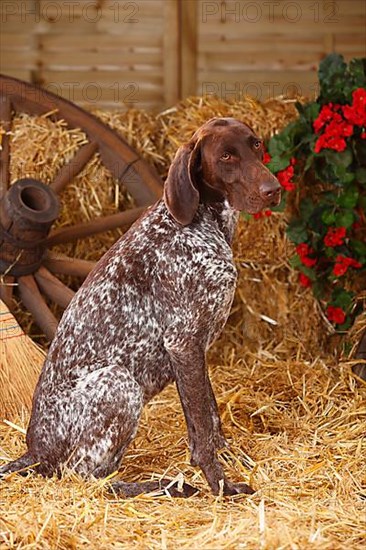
[146, 315]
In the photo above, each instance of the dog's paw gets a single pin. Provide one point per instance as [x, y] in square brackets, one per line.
[185, 491]
[231, 489]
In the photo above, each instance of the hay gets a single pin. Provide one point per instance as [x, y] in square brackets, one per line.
[177, 125]
[302, 423]
[157, 138]
[284, 399]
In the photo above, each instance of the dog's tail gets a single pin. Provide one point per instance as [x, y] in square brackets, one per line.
[20, 465]
[161, 487]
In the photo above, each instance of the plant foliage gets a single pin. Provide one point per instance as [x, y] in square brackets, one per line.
[320, 159]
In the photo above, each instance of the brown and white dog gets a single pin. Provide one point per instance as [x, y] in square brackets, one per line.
[146, 315]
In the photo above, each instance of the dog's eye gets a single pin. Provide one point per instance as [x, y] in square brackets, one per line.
[257, 144]
[225, 156]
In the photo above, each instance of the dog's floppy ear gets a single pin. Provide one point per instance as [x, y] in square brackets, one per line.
[181, 193]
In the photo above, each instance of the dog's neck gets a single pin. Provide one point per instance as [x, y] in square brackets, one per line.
[226, 217]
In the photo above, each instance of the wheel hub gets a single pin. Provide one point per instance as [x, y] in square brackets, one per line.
[28, 210]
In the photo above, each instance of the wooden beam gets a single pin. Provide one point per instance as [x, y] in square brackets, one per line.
[171, 53]
[188, 31]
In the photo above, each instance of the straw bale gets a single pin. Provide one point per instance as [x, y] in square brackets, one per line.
[179, 123]
[297, 433]
[157, 138]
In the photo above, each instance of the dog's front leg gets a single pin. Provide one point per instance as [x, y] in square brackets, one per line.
[189, 366]
[219, 437]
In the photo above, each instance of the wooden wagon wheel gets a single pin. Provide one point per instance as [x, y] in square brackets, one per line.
[28, 207]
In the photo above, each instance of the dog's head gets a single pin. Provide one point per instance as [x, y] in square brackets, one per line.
[223, 160]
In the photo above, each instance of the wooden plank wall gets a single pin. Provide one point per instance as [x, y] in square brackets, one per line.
[273, 48]
[149, 53]
[98, 53]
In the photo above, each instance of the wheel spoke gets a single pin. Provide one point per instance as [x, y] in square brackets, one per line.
[6, 290]
[74, 166]
[141, 171]
[82, 230]
[35, 303]
[64, 265]
[5, 120]
[53, 288]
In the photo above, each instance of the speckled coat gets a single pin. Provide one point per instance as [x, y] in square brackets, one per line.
[144, 318]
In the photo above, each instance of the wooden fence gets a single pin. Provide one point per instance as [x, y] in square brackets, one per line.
[150, 53]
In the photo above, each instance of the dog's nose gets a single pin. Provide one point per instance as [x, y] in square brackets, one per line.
[270, 191]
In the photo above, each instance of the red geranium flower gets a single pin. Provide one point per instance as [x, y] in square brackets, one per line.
[335, 236]
[343, 263]
[304, 280]
[285, 176]
[336, 122]
[303, 250]
[336, 315]
[262, 214]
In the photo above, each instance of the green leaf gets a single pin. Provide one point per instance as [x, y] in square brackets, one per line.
[309, 161]
[308, 271]
[328, 197]
[308, 111]
[342, 298]
[279, 145]
[345, 219]
[332, 76]
[318, 289]
[343, 158]
[342, 176]
[349, 198]
[306, 208]
[330, 172]
[311, 111]
[285, 142]
[295, 261]
[357, 73]
[361, 175]
[317, 224]
[278, 163]
[359, 247]
[328, 216]
[296, 231]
